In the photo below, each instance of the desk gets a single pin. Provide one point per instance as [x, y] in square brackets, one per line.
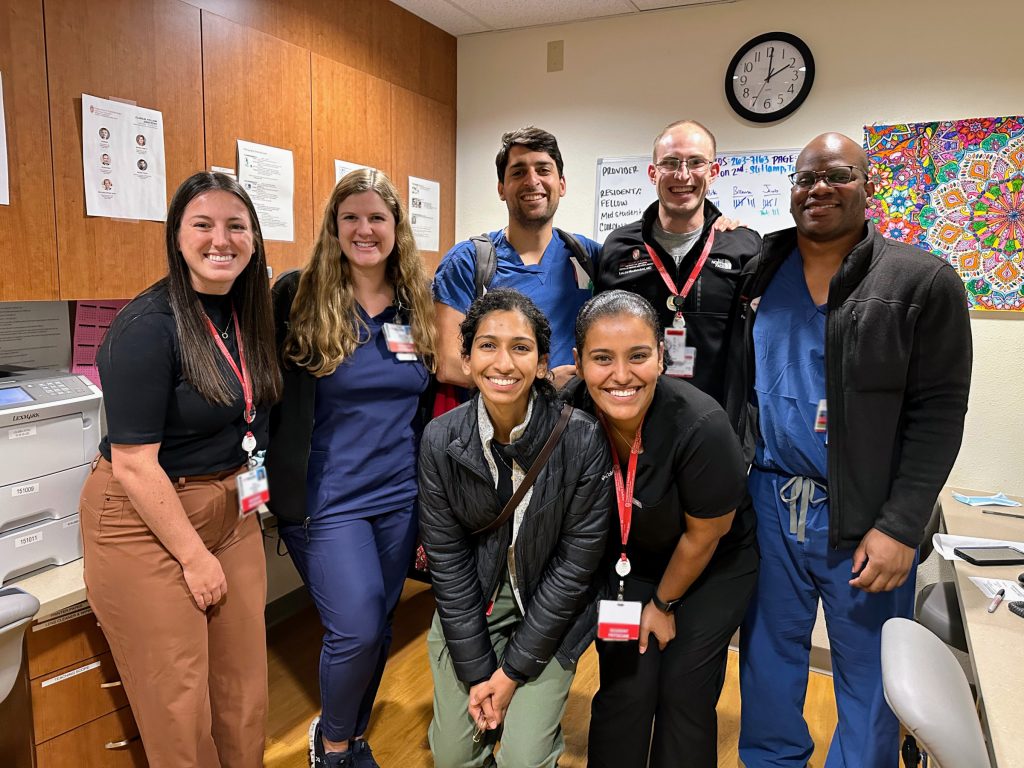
[996, 640]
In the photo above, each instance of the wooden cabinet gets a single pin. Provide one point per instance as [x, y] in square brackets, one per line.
[358, 80]
[257, 89]
[80, 713]
[423, 145]
[148, 53]
[109, 742]
[28, 246]
[351, 121]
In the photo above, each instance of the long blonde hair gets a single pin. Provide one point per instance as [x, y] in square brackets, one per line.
[325, 326]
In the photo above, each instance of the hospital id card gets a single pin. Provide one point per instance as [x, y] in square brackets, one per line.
[683, 359]
[618, 621]
[253, 490]
[400, 341]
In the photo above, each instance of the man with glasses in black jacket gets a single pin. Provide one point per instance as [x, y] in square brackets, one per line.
[853, 363]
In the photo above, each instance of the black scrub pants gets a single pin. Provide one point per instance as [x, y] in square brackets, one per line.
[675, 691]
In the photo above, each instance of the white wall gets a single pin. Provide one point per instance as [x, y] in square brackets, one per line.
[877, 62]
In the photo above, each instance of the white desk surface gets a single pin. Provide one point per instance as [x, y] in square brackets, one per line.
[996, 640]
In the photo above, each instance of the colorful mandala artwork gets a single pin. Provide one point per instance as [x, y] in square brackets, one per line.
[956, 188]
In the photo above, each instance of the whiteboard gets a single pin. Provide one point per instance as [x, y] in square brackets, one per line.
[751, 187]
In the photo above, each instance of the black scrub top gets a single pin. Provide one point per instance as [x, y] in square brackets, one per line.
[149, 400]
[692, 464]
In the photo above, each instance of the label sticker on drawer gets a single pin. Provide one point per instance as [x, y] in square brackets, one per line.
[68, 675]
[60, 618]
[70, 522]
[24, 490]
[14, 434]
[28, 538]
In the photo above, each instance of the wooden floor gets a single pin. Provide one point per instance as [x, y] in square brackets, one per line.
[398, 731]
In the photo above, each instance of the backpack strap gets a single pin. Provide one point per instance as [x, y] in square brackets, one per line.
[576, 251]
[487, 260]
[486, 263]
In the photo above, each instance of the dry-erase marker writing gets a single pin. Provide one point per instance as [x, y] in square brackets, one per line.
[996, 601]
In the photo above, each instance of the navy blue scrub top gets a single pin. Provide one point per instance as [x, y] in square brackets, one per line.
[789, 350]
[362, 459]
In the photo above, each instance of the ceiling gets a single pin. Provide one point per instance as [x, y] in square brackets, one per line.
[468, 17]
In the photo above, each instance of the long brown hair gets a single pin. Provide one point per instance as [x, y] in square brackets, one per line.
[250, 295]
[325, 327]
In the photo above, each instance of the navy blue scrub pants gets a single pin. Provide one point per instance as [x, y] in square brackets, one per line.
[354, 569]
[775, 644]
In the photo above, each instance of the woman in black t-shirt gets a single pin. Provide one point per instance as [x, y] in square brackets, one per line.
[174, 571]
[683, 551]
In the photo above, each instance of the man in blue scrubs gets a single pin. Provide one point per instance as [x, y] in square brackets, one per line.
[531, 257]
[856, 361]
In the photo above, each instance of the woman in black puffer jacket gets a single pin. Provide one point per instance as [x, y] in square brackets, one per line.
[513, 599]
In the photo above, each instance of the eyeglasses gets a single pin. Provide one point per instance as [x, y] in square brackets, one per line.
[695, 165]
[834, 176]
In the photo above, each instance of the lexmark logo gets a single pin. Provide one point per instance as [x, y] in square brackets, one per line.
[26, 416]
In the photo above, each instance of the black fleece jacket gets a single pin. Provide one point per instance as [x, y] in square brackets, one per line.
[897, 370]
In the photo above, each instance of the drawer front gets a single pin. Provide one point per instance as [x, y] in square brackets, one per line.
[69, 697]
[63, 640]
[110, 742]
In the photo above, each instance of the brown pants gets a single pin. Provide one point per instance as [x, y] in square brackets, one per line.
[196, 680]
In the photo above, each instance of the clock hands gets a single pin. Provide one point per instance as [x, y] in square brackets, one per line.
[773, 74]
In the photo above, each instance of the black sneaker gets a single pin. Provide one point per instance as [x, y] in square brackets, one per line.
[362, 755]
[319, 758]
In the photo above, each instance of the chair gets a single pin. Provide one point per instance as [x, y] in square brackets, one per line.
[17, 608]
[926, 689]
[937, 606]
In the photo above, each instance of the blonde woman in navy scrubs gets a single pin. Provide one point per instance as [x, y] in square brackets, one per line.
[356, 330]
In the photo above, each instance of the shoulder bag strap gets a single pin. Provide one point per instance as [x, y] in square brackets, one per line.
[531, 475]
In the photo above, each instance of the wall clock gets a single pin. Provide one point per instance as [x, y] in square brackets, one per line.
[769, 77]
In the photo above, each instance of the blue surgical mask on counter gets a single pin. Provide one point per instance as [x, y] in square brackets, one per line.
[997, 499]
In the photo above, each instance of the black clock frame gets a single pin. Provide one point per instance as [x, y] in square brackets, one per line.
[793, 106]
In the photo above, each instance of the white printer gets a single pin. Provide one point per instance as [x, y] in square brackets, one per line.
[49, 433]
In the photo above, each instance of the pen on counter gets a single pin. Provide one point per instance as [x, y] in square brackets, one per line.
[996, 601]
[1001, 514]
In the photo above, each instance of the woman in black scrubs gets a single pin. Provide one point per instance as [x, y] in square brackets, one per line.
[682, 548]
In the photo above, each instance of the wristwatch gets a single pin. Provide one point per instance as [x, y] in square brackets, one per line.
[662, 606]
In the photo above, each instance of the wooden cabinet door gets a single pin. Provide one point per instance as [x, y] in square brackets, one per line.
[28, 243]
[351, 121]
[75, 695]
[423, 145]
[112, 741]
[257, 89]
[144, 51]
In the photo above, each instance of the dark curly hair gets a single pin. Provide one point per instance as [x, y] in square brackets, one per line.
[509, 300]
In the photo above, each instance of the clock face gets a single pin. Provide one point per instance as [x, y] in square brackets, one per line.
[769, 77]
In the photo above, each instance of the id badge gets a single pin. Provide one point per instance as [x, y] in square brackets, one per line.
[399, 340]
[618, 621]
[253, 490]
[821, 417]
[683, 358]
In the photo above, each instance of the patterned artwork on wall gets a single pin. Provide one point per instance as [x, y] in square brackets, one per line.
[956, 188]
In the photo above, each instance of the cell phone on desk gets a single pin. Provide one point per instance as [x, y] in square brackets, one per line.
[1000, 555]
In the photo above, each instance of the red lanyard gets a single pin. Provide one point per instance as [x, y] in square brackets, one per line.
[624, 490]
[243, 375]
[693, 275]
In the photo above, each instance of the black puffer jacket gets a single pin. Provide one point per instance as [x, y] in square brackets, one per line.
[559, 545]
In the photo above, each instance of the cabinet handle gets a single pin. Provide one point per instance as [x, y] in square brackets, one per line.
[115, 684]
[120, 744]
